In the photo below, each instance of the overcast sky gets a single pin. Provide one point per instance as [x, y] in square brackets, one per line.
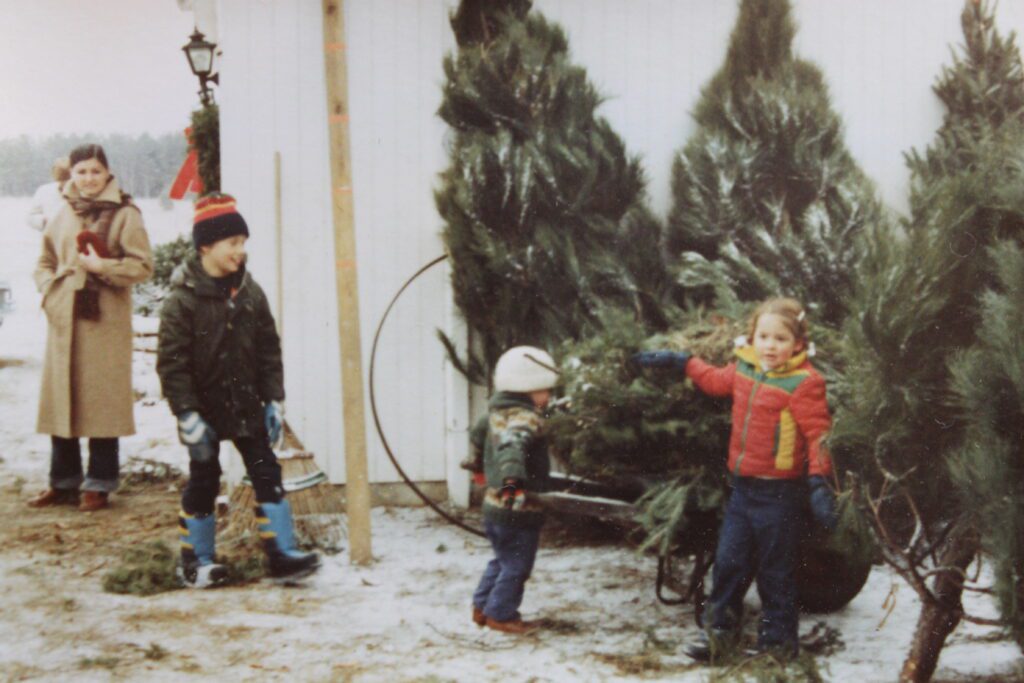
[94, 66]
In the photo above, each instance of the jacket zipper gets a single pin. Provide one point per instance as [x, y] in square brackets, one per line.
[746, 423]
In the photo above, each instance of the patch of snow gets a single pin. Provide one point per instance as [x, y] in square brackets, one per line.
[405, 617]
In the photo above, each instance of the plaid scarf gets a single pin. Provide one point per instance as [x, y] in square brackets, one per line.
[97, 214]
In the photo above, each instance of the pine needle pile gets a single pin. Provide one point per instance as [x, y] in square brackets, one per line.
[146, 569]
[151, 568]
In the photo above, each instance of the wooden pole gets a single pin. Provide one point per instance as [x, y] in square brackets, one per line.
[279, 243]
[357, 486]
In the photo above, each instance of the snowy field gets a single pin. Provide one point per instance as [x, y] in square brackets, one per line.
[405, 618]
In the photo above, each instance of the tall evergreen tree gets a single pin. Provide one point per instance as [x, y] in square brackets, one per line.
[917, 306]
[544, 211]
[989, 467]
[767, 199]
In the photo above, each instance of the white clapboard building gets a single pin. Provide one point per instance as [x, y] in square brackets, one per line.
[650, 58]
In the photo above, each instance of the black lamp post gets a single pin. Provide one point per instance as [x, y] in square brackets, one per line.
[199, 53]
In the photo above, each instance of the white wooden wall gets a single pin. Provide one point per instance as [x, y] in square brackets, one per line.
[650, 58]
[880, 59]
[273, 99]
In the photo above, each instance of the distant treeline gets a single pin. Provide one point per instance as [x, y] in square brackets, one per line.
[144, 165]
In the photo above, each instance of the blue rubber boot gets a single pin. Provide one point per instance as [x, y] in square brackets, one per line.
[199, 567]
[284, 560]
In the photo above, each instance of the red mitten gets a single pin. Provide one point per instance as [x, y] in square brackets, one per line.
[87, 237]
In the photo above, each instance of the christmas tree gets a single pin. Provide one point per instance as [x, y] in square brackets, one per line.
[767, 199]
[917, 306]
[989, 467]
[545, 223]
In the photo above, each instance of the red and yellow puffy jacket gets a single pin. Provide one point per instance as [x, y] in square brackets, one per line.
[779, 417]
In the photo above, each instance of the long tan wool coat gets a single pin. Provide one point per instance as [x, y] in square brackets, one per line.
[87, 370]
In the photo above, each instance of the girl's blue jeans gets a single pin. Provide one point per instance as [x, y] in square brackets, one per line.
[759, 539]
[500, 591]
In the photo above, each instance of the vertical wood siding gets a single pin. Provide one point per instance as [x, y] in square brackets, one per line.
[650, 59]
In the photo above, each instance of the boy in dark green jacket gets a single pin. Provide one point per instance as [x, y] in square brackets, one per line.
[219, 361]
[515, 462]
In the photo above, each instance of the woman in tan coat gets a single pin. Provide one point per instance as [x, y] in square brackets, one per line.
[94, 250]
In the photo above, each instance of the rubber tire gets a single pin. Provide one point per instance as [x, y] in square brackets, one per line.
[826, 580]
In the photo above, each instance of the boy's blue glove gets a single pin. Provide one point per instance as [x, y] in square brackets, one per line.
[273, 420]
[511, 494]
[823, 503]
[675, 360]
[193, 430]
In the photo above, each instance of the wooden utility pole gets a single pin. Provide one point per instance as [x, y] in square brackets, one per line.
[357, 484]
[279, 244]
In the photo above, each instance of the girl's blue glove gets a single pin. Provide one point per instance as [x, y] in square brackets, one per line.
[273, 420]
[674, 360]
[823, 503]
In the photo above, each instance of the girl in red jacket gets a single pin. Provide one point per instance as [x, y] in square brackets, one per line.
[779, 417]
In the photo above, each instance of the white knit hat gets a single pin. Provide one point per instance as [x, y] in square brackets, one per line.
[524, 369]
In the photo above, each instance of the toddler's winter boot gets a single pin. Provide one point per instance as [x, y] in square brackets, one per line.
[199, 568]
[284, 560]
[516, 626]
[699, 649]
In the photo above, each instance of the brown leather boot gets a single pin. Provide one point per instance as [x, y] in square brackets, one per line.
[93, 500]
[478, 616]
[51, 497]
[517, 626]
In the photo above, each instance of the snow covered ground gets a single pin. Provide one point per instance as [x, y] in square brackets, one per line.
[404, 618]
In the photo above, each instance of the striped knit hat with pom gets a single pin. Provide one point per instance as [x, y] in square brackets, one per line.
[216, 218]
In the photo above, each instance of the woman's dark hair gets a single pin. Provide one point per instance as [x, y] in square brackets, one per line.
[86, 152]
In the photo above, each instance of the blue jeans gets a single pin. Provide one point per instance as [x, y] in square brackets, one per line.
[66, 464]
[500, 591]
[759, 538]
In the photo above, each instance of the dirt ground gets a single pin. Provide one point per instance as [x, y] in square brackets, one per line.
[54, 560]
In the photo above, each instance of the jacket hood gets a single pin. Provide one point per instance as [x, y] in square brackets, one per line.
[510, 399]
[749, 355]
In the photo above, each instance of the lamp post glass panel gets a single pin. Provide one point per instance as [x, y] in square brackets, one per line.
[199, 53]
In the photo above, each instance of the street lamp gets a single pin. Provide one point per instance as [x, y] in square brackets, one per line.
[199, 53]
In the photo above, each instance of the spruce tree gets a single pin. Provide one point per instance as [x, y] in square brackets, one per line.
[767, 199]
[917, 306]
[544, 213]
